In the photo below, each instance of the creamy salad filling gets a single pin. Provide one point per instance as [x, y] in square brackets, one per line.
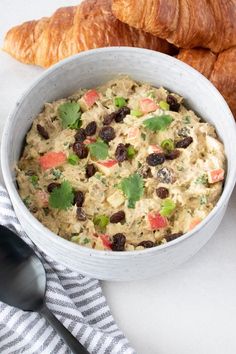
[125, 166]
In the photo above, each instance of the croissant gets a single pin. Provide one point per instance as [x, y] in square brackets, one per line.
[185, 23]
[219, 69]
[74, 29]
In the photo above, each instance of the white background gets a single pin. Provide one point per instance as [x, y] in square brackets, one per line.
[191, 310]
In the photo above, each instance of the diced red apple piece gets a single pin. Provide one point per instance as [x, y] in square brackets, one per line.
[148, 105]
[154, 149]
[90, 97]
[107, 163]
[157, 221]
[89, 140]
[52, 159]
[107, 166]
[133, 133]
[42, 198]
[106, 241]
[194, 223]
[216, 175]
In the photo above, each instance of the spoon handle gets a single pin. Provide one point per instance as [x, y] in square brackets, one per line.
[75, 346]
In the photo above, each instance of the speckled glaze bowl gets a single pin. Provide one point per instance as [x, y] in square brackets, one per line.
[90, 69]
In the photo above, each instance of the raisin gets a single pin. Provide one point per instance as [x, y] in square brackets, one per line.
[109, 118]
[90, 170]
[172, 237]
[173, 103]
[184, 143]
[52, 186]
[166, 175]
[91, 128]
[121, 114]
[107, 134]
[79, 198]
[145, 171]
[155, 159]
[80, 136]
[42, 131]
[118, 242]
[80, 214]
[117, 217]
[80, 149]
[121, 153]
[162, 192]
[146, 244]
[172, 155]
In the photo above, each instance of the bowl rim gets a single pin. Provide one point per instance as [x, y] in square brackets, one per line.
[19, 204]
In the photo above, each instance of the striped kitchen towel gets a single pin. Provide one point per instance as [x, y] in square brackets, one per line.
[76, 300]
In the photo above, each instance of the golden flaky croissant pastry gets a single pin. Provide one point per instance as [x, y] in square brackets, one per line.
[219, 69]
[185, 23]
[72, 30]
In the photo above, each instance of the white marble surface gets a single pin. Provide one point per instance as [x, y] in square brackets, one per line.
[190, 310]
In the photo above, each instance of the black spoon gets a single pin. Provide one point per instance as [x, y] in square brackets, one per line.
[23, 283]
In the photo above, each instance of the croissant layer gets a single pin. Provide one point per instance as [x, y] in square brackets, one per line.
[185, 23]
[219, 69]
[73, 29]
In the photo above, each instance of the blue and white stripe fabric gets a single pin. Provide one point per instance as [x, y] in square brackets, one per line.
[75, 300]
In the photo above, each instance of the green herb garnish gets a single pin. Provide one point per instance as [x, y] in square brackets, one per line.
[73, 159]
[132, 187]
[151, 94]
[70, 115]
[131, 152]
[62, 197]
[56, 173]
[167, 207]
[136, 113]
[101, 221]
[143, 136]
[34, 180]
[156, 123]
[85, 241]
[75, 238]
[120, 101]
[203, 179]
[27, 201]
[187, 120]
[180, 168]
[168, 145]
[99, 150]
[164, 105]
[98, 175]
[203, 200]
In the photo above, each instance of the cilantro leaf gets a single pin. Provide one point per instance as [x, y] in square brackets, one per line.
[62, 197]
[132, 187]
[70, 115]
[99, 150]
[156, 123]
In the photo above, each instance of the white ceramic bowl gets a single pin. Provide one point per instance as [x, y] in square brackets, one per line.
[90, 69]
